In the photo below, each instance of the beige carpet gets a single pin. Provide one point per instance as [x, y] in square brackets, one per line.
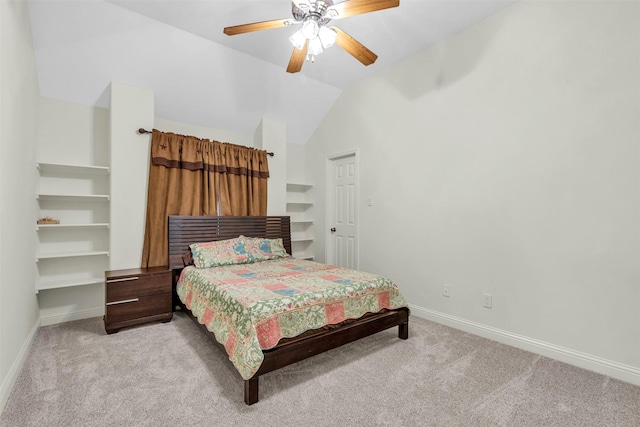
[169, 375]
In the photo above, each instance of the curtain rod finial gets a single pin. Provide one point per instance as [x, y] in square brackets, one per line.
[143, 131]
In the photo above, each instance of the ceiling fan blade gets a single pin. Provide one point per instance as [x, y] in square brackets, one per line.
[257, 26]
[358, 7]
[297, 58]
[354, 47]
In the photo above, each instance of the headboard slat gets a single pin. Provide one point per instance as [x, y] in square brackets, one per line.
[184, 230]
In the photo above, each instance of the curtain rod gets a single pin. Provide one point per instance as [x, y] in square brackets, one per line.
[143, 131]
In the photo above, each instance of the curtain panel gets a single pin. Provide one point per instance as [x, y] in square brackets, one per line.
[193, 176]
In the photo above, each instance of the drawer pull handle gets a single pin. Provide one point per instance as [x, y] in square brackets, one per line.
[124, 301]
[126, 279]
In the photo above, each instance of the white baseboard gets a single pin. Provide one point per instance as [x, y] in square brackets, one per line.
[16, 367]
[597, 364]
[68, 317]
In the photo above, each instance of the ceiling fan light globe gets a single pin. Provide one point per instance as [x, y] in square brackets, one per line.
[298, 39]
[327, 37]
[310, 29]
[315, 47]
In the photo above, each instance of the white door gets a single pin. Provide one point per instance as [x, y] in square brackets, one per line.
[342, 243]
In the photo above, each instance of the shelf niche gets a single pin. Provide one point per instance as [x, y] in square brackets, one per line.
[73, 252]
[300, 209]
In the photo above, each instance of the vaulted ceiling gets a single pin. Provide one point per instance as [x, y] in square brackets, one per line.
[201, 76]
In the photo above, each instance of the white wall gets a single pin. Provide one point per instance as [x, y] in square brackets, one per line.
[70, 133]
[504, 160]
[131, 108]
[271, 135]
[295, 164]
[18, 120]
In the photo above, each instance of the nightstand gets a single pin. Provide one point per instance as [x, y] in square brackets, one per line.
[135, 296]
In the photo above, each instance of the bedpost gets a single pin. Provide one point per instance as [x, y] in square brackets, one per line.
[251, 390]
[403, 330]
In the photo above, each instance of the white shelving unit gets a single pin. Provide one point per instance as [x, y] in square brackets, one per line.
[74, 252]
[300, 209]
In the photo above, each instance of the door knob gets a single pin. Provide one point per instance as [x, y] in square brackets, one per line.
[333, 229]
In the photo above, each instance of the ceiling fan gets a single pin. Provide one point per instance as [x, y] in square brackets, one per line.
[314, 35]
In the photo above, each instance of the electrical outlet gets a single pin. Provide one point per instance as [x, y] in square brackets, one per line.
[445, 291]
[488, 300]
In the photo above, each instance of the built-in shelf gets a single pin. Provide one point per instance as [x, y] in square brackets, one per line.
[70, 254]
[297, 187]
[299, 203]
[74, 197]
[65, 169]
[57, 284]
[300, 209]
[77, 196]
[67, 226]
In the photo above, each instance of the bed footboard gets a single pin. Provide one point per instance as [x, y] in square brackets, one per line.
[296, 351]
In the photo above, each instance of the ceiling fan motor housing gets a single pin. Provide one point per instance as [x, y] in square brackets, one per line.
[315, 11]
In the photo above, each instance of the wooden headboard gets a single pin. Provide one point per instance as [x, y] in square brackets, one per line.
[184, 230]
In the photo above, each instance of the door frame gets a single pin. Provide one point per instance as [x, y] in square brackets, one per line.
[329, 205]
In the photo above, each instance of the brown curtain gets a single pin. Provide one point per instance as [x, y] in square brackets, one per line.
[193, 176]
[243, 185]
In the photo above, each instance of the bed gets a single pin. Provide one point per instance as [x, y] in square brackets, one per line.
[257, 305]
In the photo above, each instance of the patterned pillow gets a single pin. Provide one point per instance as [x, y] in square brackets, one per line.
[262, 249]
[222, 252]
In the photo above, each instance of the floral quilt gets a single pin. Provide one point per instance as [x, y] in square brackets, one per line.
[250, 307]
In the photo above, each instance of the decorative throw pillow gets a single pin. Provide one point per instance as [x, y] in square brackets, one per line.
[262, 249]
[222, 252]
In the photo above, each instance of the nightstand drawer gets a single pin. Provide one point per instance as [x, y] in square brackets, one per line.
[129, 287]
[137, 307]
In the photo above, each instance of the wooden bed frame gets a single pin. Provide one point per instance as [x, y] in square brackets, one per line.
[184, 230]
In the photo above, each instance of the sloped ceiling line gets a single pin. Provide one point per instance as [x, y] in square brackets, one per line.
[201, 76]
